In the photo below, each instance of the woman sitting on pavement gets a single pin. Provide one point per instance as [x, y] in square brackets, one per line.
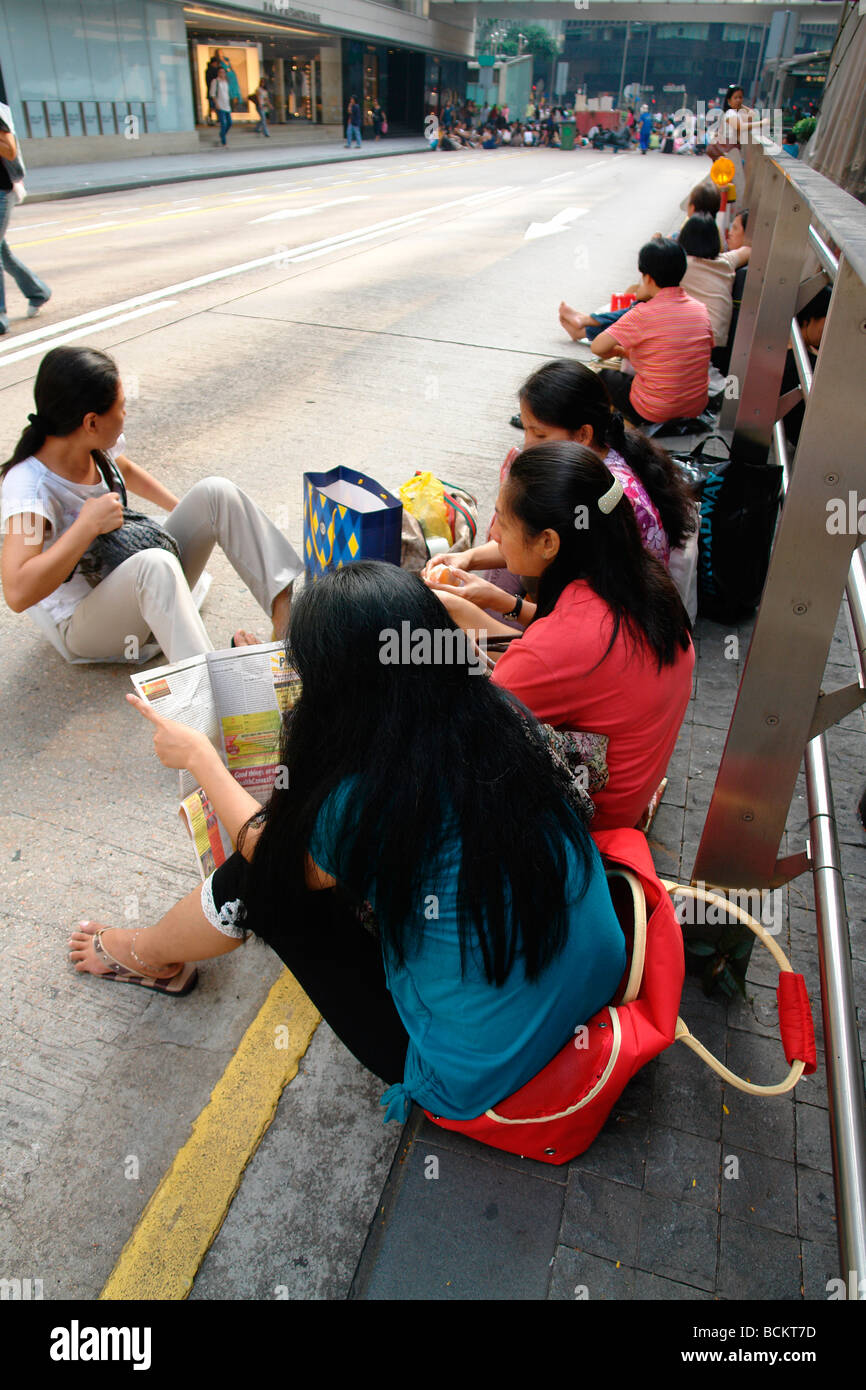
[430, 795]
[606, 648]
[710, 276]
[56, 503]
[565, 401]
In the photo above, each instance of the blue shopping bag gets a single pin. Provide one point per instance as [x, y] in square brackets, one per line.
[347, 517]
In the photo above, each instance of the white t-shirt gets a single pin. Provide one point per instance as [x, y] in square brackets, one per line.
[712, 282]
[31, 488]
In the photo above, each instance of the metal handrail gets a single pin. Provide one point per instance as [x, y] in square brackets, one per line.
[845, 1094]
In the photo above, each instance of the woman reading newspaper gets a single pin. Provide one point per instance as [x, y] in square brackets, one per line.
[428, 794]
[98, 578]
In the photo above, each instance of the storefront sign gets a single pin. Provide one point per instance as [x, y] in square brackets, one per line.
[285, 11]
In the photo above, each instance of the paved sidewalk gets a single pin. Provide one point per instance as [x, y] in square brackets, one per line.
[147, 171]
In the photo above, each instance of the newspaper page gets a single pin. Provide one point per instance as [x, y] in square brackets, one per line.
[251, 695]
[210, 841]
[183, 692]
[236, 697]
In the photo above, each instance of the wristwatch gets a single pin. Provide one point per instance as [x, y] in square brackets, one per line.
[515, 612]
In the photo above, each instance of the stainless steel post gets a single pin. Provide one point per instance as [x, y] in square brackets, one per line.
[844, 1068]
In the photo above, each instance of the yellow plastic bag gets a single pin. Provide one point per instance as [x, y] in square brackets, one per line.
[424, 496]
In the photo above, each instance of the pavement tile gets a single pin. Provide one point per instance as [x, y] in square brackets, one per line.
[817, 1205]
[476, 1231]
[429, 1133]
[812, 1090]
[601, 1217]
[678, 1240]
[757, 1013]
[758, 1264]
[578, 1275]
[820, 1266]
[687, 1094]
[650, 1288]
[813, 1138]
[764, 1124]
[620, 1151]
[763, 1192]
[683, 1166]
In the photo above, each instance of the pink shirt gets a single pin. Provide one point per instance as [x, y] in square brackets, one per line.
[668, 340]
[553, 668]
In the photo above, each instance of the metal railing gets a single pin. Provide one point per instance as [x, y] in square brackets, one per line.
[781, 711]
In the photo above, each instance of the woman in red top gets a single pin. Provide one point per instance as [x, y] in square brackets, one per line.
[607, 649]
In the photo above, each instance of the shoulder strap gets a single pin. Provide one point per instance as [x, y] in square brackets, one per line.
[795, 1016]
[111, 476]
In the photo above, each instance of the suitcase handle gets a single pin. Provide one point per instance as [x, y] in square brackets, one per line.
[795, 1016]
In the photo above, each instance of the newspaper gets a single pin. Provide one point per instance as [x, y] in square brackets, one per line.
[237, 698]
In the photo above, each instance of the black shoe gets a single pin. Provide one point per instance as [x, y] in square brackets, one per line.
[516, 422]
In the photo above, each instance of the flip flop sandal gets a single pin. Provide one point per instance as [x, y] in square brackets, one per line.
[178, 984]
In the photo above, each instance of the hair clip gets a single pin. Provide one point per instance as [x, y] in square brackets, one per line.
[609, 499]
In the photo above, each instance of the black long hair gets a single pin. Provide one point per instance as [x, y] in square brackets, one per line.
[71, 382]
[558, 486]
[699, 236]
[441, 767]
[567, 395]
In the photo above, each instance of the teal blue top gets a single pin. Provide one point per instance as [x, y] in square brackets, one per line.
[472, 1043]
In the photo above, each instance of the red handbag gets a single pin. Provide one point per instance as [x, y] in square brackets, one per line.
[559, 1113]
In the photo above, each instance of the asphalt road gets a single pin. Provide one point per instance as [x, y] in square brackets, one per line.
[389, 314]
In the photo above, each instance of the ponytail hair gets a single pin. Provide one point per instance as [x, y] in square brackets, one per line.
[551, 486]
[71, 382]
[567, 395]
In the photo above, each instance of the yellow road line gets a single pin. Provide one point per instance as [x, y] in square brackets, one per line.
[162, 1256]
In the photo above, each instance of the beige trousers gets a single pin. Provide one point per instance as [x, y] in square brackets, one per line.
[150, 592]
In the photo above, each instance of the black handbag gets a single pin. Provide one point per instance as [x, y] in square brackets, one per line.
[739, 506]
[138, 532]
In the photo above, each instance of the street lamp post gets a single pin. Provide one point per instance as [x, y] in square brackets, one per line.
[622, 69]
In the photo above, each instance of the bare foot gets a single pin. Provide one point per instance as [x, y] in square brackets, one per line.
[246, 639]
[86, 959]
[573, 322]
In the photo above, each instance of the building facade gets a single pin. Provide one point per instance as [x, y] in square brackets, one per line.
[90, 79]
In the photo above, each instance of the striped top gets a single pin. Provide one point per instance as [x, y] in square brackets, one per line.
[668, 340]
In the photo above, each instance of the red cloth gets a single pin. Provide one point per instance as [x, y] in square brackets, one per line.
[795, 1020]
[554, 670]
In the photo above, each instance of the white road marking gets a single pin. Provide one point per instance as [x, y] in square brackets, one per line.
[83, 332]
[314, 207]
[31, 226]
[556, 224]
[96, 318]
[554, 178]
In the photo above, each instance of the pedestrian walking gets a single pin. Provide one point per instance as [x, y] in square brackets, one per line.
[35, 291]
[211, 72]
[219, 90]
[353, 123]
[263, 106]
[380, 121]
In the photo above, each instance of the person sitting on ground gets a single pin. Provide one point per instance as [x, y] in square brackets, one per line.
[565, 401]
[667, 337]
[811, 319]
[490, 944]
[56, 502]
[606, 648]
[710, 276]
[490, 139]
